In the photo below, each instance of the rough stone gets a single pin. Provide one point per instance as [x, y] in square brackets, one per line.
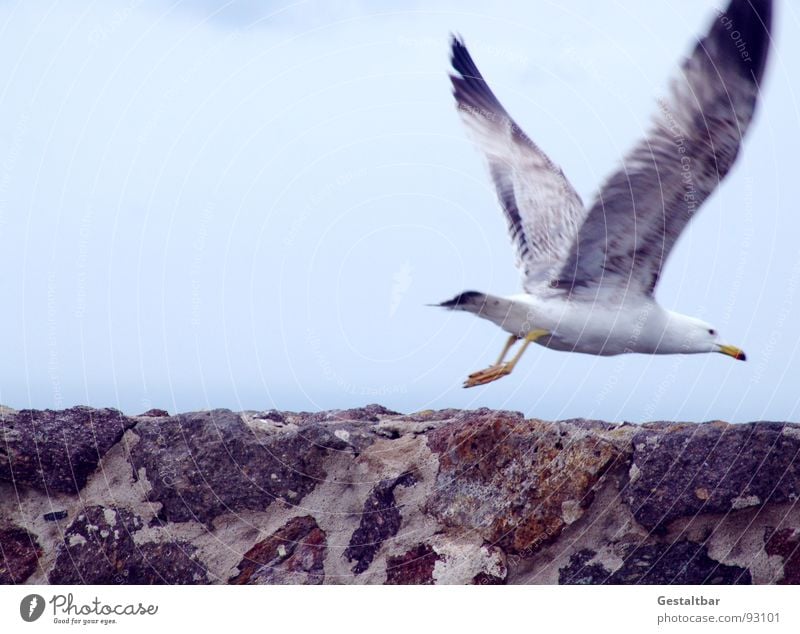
[785, 543]
[19, 554]
[372, 413]
[294, 554]
[154, 413]
[517, 482]
[681, 563]
[204, 464]
[414, 567]
[56, 451]
[99, 548]
[685, 470]
[380, 519]
[370, 496]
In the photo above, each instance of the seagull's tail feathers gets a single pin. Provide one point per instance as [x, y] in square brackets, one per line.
[495, 309]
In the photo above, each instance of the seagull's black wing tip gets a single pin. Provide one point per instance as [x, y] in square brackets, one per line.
[461, 59]
[743, 31]
[469, 86]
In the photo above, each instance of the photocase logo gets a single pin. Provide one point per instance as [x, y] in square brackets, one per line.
[31, 607]
[67, 611]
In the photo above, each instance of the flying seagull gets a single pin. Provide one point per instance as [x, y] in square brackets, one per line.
[589, 275]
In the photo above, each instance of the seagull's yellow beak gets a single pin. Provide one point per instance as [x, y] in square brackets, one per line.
[732, 351]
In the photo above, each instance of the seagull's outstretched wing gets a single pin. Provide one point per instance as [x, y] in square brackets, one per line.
[642, 209]
[541, 207]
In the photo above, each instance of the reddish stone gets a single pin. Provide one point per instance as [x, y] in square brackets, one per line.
[19, 555]
[414, 567]
[294, 554]
[516, 482]
[785, 543]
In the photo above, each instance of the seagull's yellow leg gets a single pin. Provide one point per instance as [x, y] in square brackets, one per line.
[511, 341]
[500, 369]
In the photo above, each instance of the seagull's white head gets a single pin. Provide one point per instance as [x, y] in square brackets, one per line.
[694, 335]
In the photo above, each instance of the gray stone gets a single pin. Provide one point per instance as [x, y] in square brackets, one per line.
[204, 464]
[99, 548]
[380, 520]
[680, 563]
[56, 451]
[686, 470]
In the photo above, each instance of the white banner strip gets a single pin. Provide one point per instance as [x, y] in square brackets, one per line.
[373, 609]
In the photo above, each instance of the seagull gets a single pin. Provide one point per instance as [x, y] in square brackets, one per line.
[589, 274]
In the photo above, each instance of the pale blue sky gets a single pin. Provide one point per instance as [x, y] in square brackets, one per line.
[249, 204]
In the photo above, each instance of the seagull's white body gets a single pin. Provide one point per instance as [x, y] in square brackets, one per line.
[576, 324]
[589, 274]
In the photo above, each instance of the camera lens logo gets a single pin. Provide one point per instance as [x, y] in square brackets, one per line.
[31, 607]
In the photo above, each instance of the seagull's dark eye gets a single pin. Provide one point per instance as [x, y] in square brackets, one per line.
[712, 332]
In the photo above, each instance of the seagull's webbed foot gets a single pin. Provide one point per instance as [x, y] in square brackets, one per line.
[492, 373]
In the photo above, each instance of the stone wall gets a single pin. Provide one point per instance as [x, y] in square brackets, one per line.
[371, 496]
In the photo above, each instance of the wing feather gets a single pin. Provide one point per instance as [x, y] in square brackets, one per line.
[542, 209]
[642, 209]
